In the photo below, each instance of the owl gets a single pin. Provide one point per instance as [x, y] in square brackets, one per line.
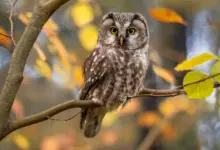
[115, 69]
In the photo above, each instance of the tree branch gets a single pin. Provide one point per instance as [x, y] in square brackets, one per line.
[41, 13]
[45, 115]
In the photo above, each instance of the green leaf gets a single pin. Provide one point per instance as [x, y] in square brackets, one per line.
[195, 61]
[199, 90]
[216, 70]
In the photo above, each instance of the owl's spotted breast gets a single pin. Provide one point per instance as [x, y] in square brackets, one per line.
[129, 69]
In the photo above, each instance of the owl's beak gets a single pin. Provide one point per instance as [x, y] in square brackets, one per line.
[121, 40]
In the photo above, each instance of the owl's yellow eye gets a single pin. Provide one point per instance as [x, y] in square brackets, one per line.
[131, 31]
[113, 30]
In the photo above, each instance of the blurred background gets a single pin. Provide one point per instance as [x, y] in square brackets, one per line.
[53, 74]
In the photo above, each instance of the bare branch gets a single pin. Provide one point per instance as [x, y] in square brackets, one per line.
[45, 115]
[11, 19]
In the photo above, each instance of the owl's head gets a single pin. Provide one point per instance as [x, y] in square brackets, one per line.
[124, 30]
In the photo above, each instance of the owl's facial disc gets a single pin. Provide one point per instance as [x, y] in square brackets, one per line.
[124, 30]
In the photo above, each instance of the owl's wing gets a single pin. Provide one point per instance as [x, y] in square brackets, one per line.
[94, 70]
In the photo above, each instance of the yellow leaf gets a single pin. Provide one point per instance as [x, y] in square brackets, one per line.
[149, 119]
[50, 27]
[164, 74]
[43, 68]
[195, 61]
[82, 13]
[166, 15]
[61, 50]
[59, 46]
[5, 41]
[88, 37]
[216, 70]
[198, 90]
[77, 73]
[21, 141]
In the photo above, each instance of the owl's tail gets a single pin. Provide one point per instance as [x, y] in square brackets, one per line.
[91, 120]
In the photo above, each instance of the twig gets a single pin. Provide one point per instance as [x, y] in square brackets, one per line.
[11, 20]
[209, 77]
[5, 35]
[68, 119]
[172, 92]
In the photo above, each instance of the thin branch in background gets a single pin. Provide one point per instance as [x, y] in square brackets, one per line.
[5, 35]
[11, 19]
[155, 133]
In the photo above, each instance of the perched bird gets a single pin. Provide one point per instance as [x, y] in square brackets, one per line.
[116, 68]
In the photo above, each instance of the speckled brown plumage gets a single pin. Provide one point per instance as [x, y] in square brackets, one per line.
[114, 72]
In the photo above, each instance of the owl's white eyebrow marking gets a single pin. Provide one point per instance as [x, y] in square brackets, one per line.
[139, 24]
[126, 25]
[107, 22]
[117, 24]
